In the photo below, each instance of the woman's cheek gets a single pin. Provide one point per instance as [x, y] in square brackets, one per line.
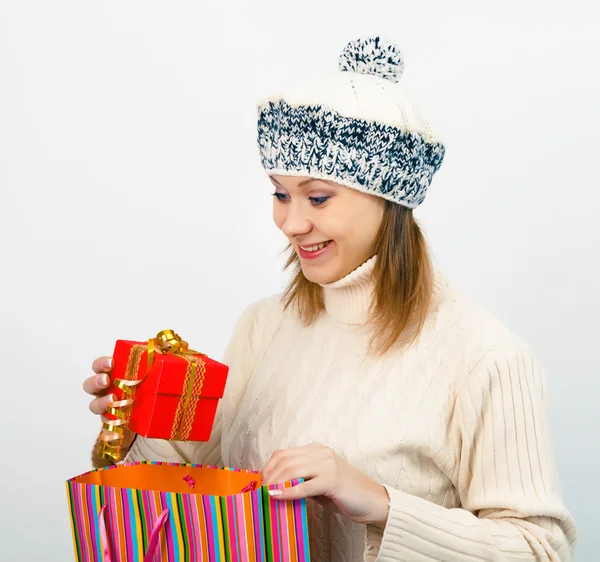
[278, 215]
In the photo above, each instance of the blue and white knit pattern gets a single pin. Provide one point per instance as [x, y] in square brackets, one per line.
[373, 56]
[371, 157]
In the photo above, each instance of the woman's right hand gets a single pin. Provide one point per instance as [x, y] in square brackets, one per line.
[97, 385]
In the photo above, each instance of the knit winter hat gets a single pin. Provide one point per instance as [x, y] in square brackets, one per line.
[355, 127]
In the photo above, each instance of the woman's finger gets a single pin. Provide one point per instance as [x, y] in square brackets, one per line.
[97, 384]
[308, 489]
[295, 471]
[285, 463]
[102, 365]
[98, 405]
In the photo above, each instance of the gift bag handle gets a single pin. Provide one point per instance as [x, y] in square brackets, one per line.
[153, 541]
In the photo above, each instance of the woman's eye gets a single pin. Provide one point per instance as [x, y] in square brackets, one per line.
[318, 200]
[280, 196]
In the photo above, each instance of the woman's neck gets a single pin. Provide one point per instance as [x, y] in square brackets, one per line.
[349, 299]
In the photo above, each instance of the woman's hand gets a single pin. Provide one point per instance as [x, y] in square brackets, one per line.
[97, 385]
[333, 482]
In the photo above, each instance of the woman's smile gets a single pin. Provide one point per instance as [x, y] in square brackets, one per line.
[314, 251]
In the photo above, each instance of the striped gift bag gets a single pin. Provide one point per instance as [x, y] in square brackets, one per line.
[151, 511]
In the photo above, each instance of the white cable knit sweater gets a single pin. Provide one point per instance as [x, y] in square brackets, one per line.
[454, 426]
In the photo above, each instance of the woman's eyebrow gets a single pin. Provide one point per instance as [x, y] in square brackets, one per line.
[302, 183]
[310, 180]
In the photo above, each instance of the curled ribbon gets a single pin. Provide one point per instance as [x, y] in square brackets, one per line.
[166, 342]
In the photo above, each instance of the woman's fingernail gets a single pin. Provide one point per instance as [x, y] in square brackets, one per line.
[108, 364]
[275, 492]
[102, 380]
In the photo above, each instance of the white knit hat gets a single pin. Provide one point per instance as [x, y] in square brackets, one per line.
[355, 127]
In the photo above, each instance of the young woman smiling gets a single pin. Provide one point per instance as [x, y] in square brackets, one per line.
[415, 417]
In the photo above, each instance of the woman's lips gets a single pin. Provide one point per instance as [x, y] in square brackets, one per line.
[306, 255]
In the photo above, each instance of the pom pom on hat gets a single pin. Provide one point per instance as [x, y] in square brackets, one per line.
[373, 56]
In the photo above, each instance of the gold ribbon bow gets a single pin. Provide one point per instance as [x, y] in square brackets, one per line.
[166, 342]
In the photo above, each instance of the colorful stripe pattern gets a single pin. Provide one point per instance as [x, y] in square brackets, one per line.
[246, 527]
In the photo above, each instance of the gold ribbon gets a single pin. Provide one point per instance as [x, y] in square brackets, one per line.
[166, 342]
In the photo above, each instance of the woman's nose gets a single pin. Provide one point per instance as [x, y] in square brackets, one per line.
[296, 221]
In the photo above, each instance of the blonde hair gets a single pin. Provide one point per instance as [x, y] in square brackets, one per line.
[403, 281]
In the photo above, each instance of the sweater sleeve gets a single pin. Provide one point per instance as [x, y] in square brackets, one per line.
[505, 476]
[239, 356]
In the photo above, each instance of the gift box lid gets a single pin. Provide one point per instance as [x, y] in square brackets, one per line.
[167, 374]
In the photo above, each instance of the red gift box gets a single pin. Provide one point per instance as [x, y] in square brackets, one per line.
[177, 397]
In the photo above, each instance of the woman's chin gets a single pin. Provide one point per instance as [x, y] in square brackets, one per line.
[320, 274]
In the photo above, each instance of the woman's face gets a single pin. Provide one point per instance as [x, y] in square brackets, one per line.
[331, 227]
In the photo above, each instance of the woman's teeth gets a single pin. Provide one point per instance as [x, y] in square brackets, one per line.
[315, 248]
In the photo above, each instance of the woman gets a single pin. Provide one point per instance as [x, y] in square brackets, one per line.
[417, 419]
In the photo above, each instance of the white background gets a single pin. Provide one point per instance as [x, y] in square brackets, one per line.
[133, 200]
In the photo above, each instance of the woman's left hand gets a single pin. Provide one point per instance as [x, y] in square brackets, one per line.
[333, 482]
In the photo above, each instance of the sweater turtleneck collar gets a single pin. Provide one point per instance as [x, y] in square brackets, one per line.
[349, 299]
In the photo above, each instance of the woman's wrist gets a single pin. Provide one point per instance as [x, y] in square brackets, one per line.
[382, 508]
[100, 461]
[128, 438]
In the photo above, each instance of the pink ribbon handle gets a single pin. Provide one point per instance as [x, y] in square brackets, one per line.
[153, 541]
